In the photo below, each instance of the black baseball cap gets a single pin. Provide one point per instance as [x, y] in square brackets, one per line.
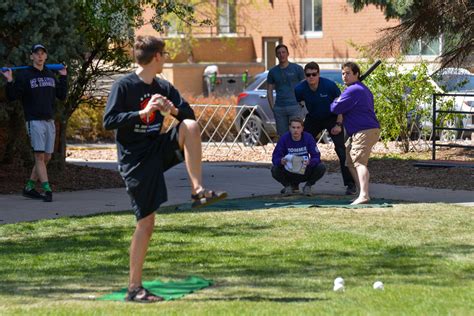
[35, 47]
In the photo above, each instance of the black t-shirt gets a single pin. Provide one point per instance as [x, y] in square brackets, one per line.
[138, 141]
[128, 96]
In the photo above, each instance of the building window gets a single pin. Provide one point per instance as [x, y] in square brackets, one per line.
[312, 16]
[425, 48]
[226, 13]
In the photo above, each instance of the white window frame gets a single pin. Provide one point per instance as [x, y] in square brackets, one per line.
[224, 12]
[312, 33]
[419, 42]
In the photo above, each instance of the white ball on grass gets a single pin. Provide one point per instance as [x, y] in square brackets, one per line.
[378, 285]
[338, 287]
[338, 280]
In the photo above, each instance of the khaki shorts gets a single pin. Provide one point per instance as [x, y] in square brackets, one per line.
[359, 146]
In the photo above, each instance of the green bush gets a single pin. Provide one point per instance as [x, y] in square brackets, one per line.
[400, 93]
[85, 124]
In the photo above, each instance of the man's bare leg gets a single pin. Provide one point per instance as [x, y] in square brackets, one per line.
[39, 169]
[190, 142]
[138, 249]
[363, 176]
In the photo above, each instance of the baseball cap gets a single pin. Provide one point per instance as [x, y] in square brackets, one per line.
[35, 47]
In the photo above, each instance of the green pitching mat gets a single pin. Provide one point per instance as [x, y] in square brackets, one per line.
[291, 202]
[168, 290]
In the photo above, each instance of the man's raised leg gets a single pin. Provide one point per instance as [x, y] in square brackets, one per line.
[190, 141]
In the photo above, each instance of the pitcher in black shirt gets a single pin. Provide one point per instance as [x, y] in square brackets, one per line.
[136, 107]
[38, 88]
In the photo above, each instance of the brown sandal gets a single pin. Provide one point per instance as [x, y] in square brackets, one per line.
[207, 197]
[142, 295]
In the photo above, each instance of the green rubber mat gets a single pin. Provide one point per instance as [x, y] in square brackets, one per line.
[285, 202]
[168, 290]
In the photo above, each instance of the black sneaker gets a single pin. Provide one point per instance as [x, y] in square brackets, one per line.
[48, 196]
[351, 189]
[32, 194]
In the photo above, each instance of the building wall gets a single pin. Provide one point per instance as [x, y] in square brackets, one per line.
[188, 78]
[340, 27]
[258, 19]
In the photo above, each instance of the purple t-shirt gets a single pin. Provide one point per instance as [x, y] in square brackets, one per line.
[306, 146]
[356, 104]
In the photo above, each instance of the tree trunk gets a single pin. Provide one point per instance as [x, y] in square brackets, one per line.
[18, 148]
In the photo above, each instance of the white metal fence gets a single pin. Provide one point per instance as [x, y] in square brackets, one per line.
[225, 128]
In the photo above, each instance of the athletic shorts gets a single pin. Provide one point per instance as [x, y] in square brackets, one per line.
[42, 135]
[145, 181]
[359, 146]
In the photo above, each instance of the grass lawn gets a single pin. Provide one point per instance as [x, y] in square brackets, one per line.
[267, 262]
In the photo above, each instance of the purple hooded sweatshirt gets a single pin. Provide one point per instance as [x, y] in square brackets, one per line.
[356, 104]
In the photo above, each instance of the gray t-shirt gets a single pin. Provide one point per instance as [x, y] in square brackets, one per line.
[285, 80]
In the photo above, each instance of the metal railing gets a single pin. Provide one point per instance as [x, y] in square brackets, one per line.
[223, 127]
[444, 128]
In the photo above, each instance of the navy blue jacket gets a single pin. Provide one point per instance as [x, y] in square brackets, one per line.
[38, 90]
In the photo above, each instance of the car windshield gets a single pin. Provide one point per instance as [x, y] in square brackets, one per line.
[334, 75]
[455, 82]
[256, 81]
[259, 82]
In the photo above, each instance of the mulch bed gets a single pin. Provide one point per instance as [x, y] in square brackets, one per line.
[13, 178]
[383, 169]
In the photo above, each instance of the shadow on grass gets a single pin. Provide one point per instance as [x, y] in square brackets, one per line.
[89, 259]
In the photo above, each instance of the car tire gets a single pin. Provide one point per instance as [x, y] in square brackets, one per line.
[253, 133]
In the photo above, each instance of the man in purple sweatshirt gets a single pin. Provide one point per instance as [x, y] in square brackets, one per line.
[296, 143]
[356, 104]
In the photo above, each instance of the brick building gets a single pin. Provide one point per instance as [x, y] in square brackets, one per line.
[244, 35]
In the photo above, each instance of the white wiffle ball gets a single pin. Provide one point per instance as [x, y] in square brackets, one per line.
[339, 287]
[338, 280]
[160, 101]
[378, 285]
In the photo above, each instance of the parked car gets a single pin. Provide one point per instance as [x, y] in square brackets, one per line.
[452, 81]
[458, 82]
[260, 125]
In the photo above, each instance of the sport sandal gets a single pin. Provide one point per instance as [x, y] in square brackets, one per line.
[207, 197]
[142, 295]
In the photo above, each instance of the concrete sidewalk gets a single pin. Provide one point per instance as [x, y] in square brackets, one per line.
[238, 179]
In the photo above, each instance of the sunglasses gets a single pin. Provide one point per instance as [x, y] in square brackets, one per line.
[311, 74]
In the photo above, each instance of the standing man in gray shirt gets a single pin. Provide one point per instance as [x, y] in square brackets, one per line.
[283, 78]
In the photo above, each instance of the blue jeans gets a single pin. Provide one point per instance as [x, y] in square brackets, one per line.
[283, 115]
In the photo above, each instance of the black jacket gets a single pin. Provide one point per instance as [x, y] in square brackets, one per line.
[38, 91]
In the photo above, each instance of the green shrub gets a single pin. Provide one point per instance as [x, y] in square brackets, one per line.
[85, 124]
